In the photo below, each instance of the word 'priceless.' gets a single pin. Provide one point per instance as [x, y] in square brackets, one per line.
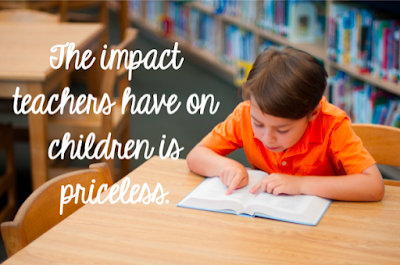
[131, 62]
[117, 193]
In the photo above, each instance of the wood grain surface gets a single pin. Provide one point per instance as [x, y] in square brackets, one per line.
[348, 233]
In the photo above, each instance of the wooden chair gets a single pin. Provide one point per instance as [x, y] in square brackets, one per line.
[8, 185]
[27, 16]
[41, 210]
[71, 11]
[383, 143]
[101, 125]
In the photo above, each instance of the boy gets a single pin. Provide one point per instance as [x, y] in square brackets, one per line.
[289, 130]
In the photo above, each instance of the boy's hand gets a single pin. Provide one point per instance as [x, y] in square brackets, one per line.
[234, 176]
[277, 183]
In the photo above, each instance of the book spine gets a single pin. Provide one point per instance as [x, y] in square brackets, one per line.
[374, 49]
[354, 21]
[368, 42]
[395, 52]
[346, 38]
[389, 65]
[384, 64]
[331, 51]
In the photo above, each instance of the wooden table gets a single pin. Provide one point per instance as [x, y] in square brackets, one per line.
[348, 233]
[24, 62]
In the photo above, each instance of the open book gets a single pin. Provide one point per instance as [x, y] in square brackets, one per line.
[301, 209]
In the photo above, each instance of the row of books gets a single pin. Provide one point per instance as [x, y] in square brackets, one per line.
[136, 8]
[153, 10]
[199, 29]
[361, 38]
[299, 21]
[167, 17]
[179, 15]
[364, 103]
[202, 30]
[245, 10]
[181, 20]
[239, 45]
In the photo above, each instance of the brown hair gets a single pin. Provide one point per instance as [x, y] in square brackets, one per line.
[285, 83]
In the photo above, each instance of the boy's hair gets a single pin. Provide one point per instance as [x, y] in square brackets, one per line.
[287, 83]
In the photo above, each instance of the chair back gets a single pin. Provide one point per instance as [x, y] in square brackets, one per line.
[68, 13]
[382, 142]
[41, 210]
[27, 16]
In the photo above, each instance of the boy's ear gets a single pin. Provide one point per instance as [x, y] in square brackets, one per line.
[315, 112]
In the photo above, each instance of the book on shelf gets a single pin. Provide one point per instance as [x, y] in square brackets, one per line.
[202, 30]
[302, 22]
[243, 10]
[299, 21]
[242, 71]
[239, 45]
[301, 209]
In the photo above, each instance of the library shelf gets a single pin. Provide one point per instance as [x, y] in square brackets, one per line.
[317, 50]
[382, 84]
[199, 6]
[186, 47]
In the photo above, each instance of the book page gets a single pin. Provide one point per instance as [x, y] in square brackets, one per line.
[306, 209]
[210, 195]
[296, 204]
[243, 194]
[212, 189]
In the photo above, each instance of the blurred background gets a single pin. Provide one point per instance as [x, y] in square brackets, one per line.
[358, 43]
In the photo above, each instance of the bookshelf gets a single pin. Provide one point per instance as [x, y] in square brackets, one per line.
[212, 60]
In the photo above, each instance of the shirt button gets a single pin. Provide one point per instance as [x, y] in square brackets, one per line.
[284, 163]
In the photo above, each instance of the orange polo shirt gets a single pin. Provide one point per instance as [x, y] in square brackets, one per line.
[328, 146]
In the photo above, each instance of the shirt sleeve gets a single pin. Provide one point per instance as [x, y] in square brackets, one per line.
[226, 136]
[347, 149]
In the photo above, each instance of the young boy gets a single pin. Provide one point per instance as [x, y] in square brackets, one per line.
[289, 130]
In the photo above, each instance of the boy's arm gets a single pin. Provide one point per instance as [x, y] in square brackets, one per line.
[204, 161]
[366, 186]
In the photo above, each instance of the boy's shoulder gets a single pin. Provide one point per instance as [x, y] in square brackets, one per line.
[244, 105]
[331, 111]
[242, 110]
[332, 117]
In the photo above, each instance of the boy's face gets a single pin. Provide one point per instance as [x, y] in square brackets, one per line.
[278, 134]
